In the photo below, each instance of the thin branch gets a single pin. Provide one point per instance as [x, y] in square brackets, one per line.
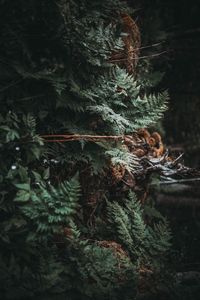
[177, 159]
[10, 85]
[138, 58]
[177, 181]
[76, 137]
[146, 47]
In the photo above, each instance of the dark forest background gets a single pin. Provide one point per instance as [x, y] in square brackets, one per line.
[175, 24]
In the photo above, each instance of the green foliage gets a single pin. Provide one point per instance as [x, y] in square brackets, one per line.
[108, 279]
[124, 158]
[56, 78]
[49, 208]
[23, 282]
[128, 109]
[146, 243]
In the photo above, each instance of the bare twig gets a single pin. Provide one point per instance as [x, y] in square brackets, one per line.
[179, 181]
[52, 138]
[138, 58]
[146, 47]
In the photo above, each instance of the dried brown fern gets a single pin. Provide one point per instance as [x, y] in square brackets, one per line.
[128, 57]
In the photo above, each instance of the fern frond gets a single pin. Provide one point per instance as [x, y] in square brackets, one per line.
[124, 158]
[51, 207]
